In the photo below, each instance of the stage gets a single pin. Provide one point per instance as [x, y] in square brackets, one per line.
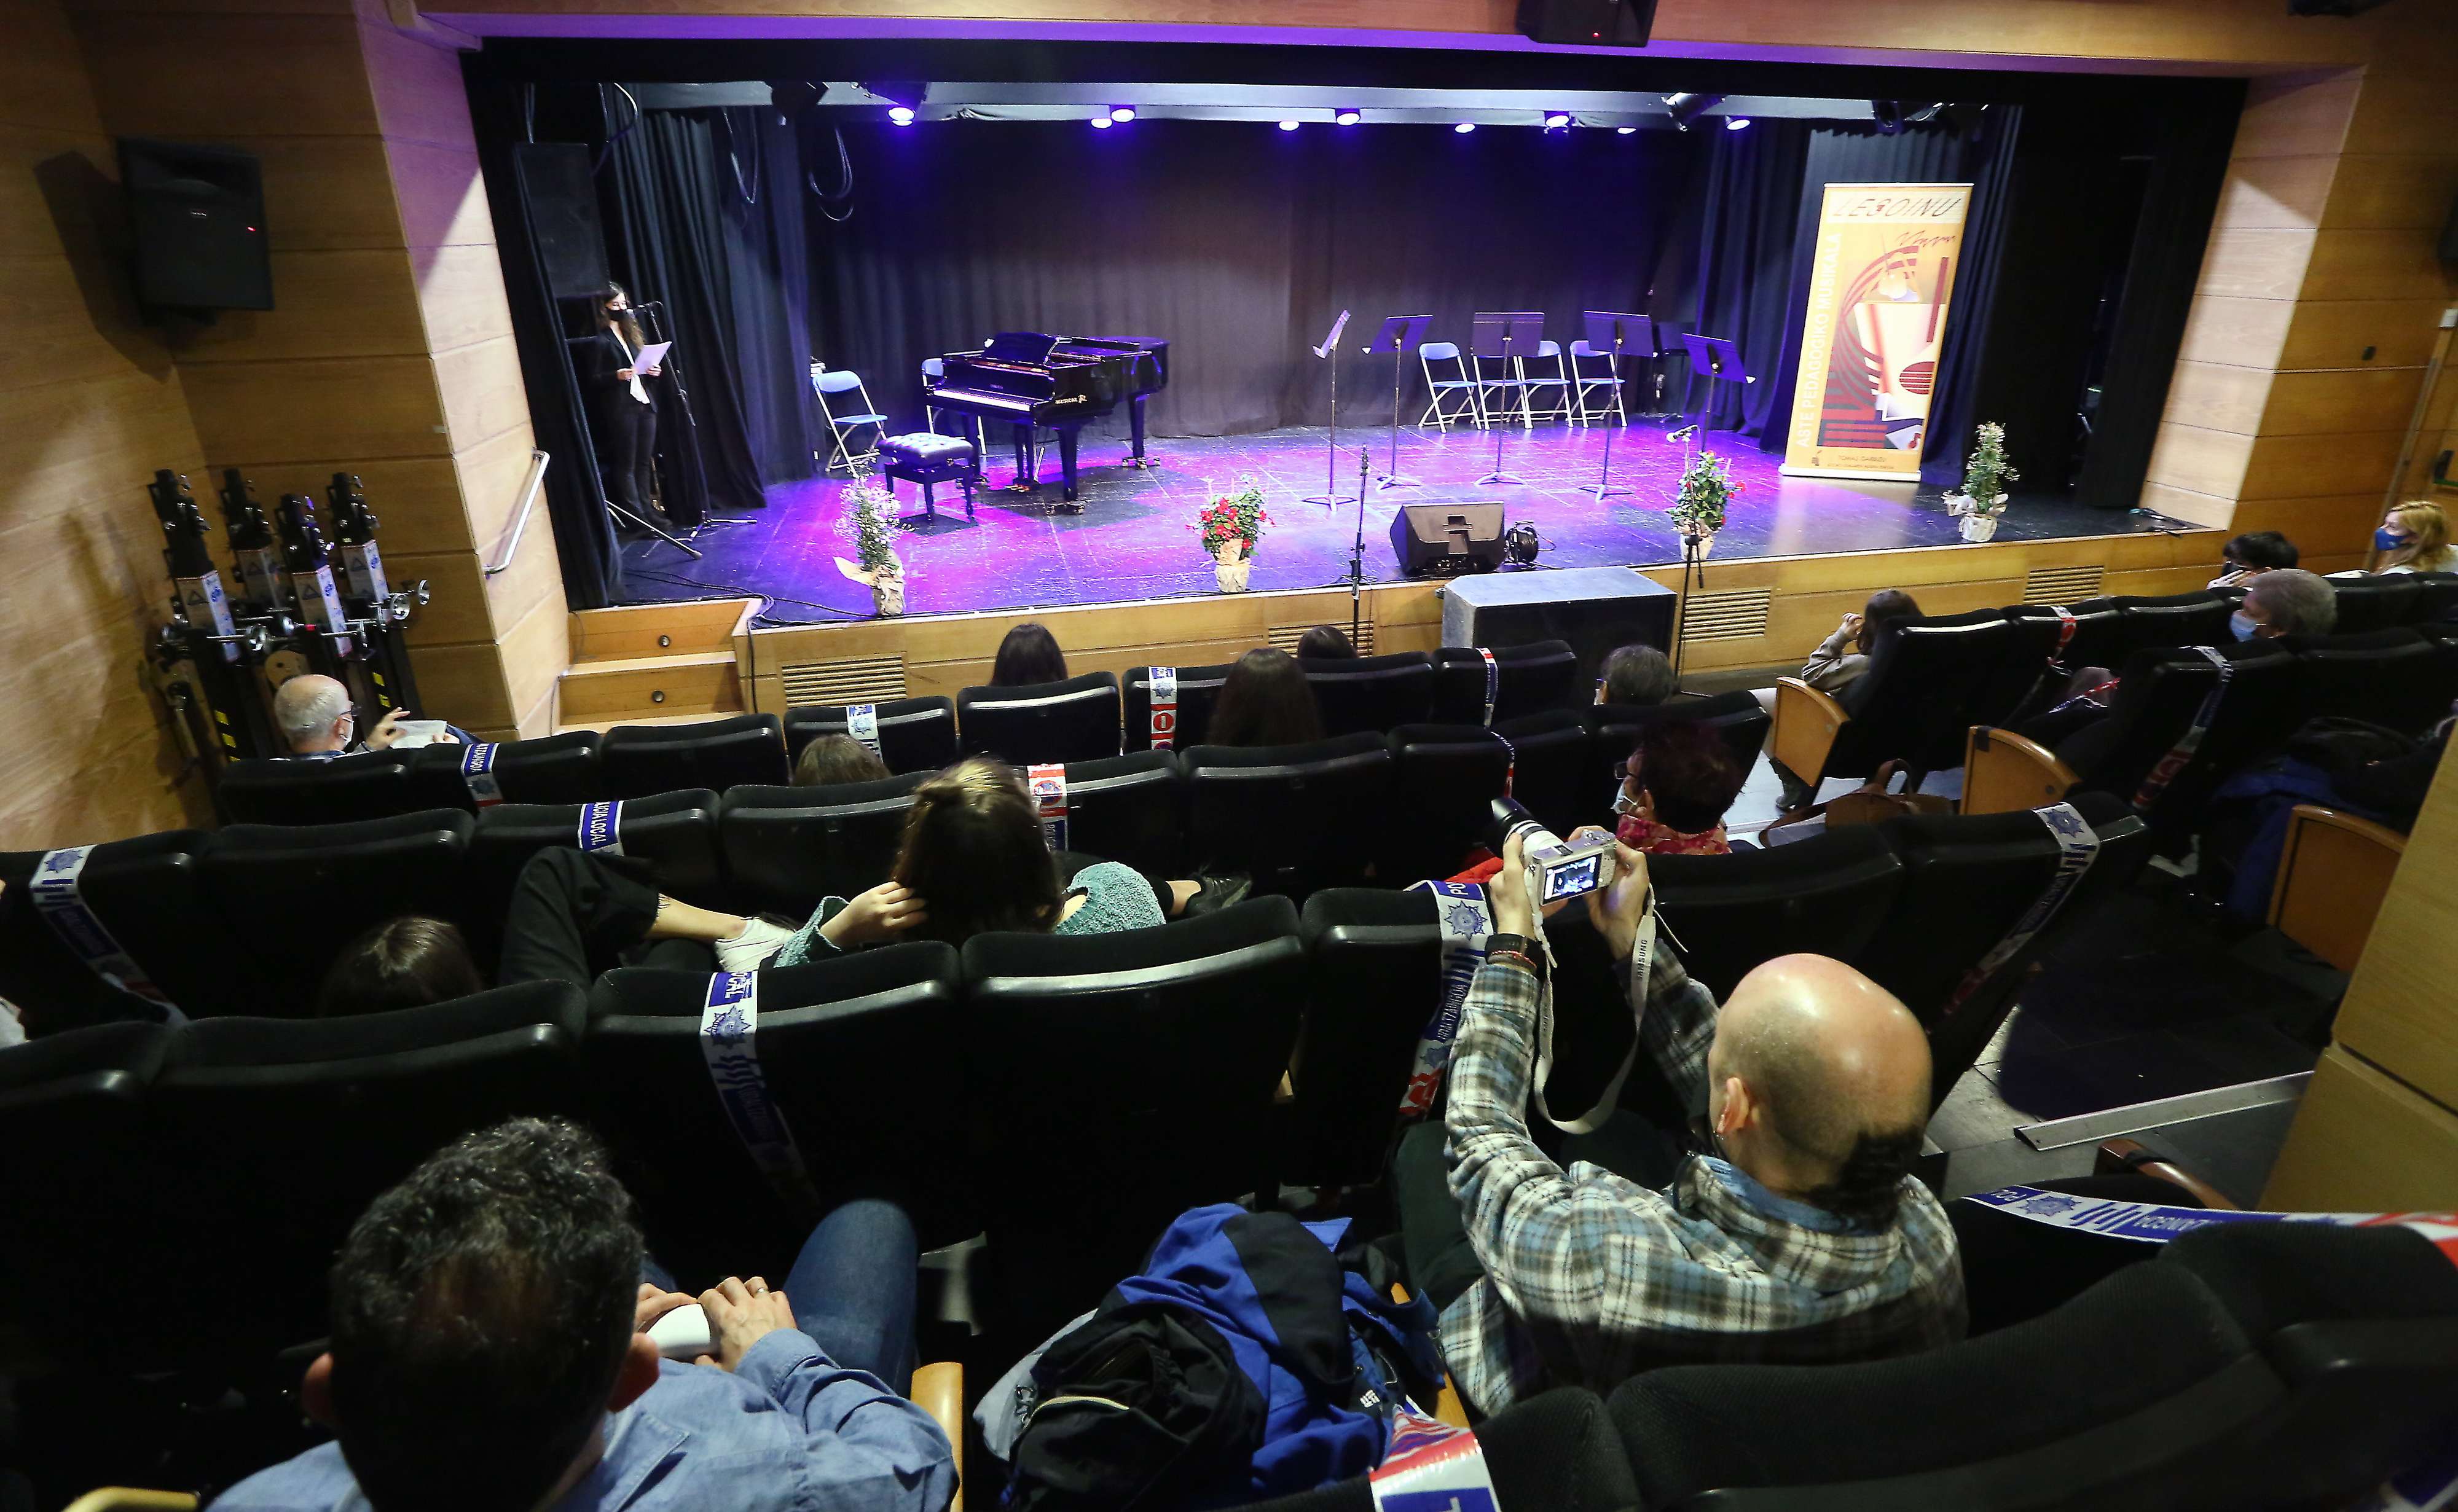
[1133, 541]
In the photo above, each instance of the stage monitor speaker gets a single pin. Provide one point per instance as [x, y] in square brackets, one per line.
[1587, 23]
[561, 195]
[1595, 608]
[1447, 538]
[197, 217]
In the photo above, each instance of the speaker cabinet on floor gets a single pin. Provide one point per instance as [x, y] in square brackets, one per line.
[1447, 538]
[197, 217]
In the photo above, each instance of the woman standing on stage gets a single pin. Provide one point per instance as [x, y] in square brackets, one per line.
[622, 406]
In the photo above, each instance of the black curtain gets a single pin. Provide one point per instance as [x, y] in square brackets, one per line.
[575, 495]
[1236, 242]
[1747, 229]
[1988, 163]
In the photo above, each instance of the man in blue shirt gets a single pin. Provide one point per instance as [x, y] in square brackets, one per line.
[489, 1354]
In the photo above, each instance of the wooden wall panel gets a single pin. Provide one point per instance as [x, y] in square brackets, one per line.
[442, 198]
[2257, 264]
[2334, 333]
[2330, 403]
[2276, 193]
[2399, 1013]
[2213, 396]
[461, 297]
[2241, 332]
[235, 75]
[369, 407]
[483, 398]
[357, 303]
[2310, 466]
[2184, 504]
[2399, 264]
[2296, 114]
[2200, 460]
[2378, 192]
[2364, 1142]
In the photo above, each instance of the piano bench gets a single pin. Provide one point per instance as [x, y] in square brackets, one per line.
[925, 458]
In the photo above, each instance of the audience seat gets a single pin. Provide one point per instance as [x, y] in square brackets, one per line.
[2100, 638]
[1130, 809]
[2015, 681]
[2271, 693]
[1534, 679]
[1613, 730]
[1553, 1452]
[2157, 698]
[145, 891]
[276, 1133]
[671, 837]
[1116, 1081]
[1198, 688]
[2247, 1366]
[1293, 817]
[859, 1054]
[1034, 723]
[552, 769]
[1374, 961]
[639, 759]
[1827, 894]
[2436, 596]
[84, 1203]
[1921, 692]
[915, 735]
[2334, 872]
[786, 848]
[1444, 780]
[2199, 618]
[1550, 767]
[1378, 693]
[371, 785]
[2394, 677]
[2376, 603]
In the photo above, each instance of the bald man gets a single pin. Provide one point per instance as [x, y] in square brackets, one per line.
[314, 714]
[1804, 1238]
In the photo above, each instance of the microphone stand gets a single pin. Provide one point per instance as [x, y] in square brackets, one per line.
[673, 374]
[1395, 478]
[1694, 566]
[1357, 553]
[1603, 487]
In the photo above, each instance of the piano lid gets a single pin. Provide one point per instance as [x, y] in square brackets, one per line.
[1029, 347]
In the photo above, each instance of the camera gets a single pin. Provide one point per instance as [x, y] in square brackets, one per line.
[1565, 869]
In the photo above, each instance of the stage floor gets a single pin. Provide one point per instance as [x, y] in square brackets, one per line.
[1133, 539]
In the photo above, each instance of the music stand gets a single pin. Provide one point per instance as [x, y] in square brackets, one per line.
[1504, 337]
[1329, 351]
[1399, 333]
[1720, 361]
[1610, 329]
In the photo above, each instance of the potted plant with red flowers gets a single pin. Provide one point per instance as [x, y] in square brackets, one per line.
[1230, 526]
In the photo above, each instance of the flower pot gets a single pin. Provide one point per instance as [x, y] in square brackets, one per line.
[1230, 570]
[1978, 526]
[887, 595]
[1697, 543]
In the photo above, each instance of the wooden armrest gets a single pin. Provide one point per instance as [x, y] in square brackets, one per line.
[1805, 724]
[2132, 1155]
[2333, 873]
[939, 1390]
[1448, 1407]
[122, 1498]
[2004, 772]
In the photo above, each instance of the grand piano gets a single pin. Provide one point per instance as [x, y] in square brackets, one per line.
[1056, 383]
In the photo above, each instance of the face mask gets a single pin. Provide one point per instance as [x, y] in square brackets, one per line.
[2387, 539]
[2240, 625]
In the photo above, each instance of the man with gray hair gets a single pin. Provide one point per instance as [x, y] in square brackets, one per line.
[2286, 601]
[317, 721]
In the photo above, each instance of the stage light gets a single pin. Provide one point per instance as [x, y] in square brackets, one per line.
[1288, 126]
[901, 114]
[1558, 120]
[1464, 127]
[1888, 117]
[1100, 123]
[1686, 109]
[1347, 118]
[1625, 131]
[1735, 123]
[1123, 113]
[791, 99]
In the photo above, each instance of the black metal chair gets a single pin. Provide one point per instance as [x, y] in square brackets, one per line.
[1035, 723]
[1377, 694]
[371, 785]
[1538, 677]
[1198, 689]
[554, 769]
[1293, 817]
[915, 735]
[786, 848]
[637, 760]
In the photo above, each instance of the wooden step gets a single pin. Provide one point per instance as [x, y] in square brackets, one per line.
[656, 630]
[621, 687]
[604, 722]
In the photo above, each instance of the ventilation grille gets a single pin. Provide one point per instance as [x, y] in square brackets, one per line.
[2062, 585]
[856, 679]
[1284, 637]
[1738, 614]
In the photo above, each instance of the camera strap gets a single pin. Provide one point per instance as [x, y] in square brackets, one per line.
[1510, 760]
[2182, 754]
[61, 899]
[1642, 952]
[1466, 922]
[2067, 624]
[602, 828]
[1492, 685]
[1048, 785]
[2077, 847]
[478, 771]
[729, 1041]
[1164, 706]
[862, 722]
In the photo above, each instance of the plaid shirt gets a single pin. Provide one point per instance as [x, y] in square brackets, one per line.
[1590, 1278]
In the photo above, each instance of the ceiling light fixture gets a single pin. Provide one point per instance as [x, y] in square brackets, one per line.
[1288, 126]
[1558, 120]
[1735, 123]
[1123, 113]
[1464, 127]
[1686, 109]
[1347, 118]
[1100, 123]
[901, 114]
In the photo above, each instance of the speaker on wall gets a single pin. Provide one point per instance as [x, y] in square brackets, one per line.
[1448, 538]
[1587, 23]
[560, 194]
[197, 217]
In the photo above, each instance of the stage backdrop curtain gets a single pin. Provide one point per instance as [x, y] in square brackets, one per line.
[1236, 242]
[1755, 193]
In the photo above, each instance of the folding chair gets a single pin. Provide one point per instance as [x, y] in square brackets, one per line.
[1585, 380]
[1513, 384]
[826, 382]
[1560, 380]
[1438, 390]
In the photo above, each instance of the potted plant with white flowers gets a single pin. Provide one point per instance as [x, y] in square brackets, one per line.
[1981, 499]
[1697, 510]
[871, 521]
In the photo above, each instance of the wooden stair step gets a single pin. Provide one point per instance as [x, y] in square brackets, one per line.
[693, 683]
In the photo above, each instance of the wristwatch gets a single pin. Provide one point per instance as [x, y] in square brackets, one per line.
[1520, 945]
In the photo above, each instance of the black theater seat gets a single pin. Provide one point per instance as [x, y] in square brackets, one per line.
[1551, 758]
[1378, 693]
[1130, 809]
[1150, 1058]
[1444, 780]
[144, 890]
[915, 735]
[1552, 1452]
[639, 759]
[1825, 895]
[1075, 720]
[2199, 618]
[2376, 603]
[283, 901]
[1535, 679]
[1374, 961]
[277, 1132]
[2099, 637]
[552, 769]
[371, 785]
[2271, 692]
[787, 848]
[1198, 688]
[1295, 818]
[673, 836]
[2394, 677]
[2436, 595]
[1913, 705]
[1613, 730]
[859, 1057]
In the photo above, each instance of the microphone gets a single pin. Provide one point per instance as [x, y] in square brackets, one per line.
[1683, 434]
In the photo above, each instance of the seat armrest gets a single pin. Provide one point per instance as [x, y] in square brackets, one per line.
[939, 1390]
[2133, 1155]
[2334, 871]
[2004, 772]
[1806, 721]
[122, 1498]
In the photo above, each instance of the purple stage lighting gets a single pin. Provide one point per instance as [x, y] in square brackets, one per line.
[1464, 127]
[1123, 113]
[1735, 123]
[901, 114]
[1288, 126]
[1556, 120]
[1346, 117]
[1100, 123]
